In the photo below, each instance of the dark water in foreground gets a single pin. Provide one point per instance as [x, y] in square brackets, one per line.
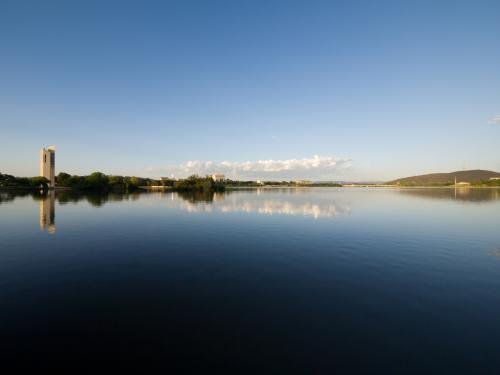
[268, 281]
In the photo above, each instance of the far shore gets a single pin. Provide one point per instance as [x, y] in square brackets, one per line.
[330, 187]
[172, 189]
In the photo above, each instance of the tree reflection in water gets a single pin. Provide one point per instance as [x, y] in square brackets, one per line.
[303, 202]
[468, 194]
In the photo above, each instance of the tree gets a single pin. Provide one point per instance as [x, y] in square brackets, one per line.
[63, 179]
[96, 180]
[40, 182]
[197, 183]
[134, 181]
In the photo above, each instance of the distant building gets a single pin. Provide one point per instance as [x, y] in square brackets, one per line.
[462, 183]
[48, 165]
[303, 182]
[494, 178]
[217, 177]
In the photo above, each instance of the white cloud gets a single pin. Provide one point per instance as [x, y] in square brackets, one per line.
[495, 120]
[317, 167]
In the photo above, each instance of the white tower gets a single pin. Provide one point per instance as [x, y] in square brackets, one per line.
[48, 165]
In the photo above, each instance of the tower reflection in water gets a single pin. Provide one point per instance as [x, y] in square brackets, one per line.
[48, 212]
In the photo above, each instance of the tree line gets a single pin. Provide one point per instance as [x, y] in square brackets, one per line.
[199, 183]
[102, 182]
[9, 181]
[99, 181]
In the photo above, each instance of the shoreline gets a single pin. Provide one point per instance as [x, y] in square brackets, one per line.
[172, 189]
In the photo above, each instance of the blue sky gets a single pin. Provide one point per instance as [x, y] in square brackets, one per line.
[374, 89]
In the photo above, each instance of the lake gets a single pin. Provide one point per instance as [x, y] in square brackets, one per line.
[310, 280]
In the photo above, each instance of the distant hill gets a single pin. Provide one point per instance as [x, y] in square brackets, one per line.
[472, 176]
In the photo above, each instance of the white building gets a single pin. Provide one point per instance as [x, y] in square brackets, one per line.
[303, 182]
[217, 177]
[48, 165]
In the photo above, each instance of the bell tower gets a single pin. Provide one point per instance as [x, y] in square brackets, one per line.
[48, 165]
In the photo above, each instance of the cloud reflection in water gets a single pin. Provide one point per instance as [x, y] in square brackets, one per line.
[263, 203]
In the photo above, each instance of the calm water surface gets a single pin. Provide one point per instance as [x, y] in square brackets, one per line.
[262, 281]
